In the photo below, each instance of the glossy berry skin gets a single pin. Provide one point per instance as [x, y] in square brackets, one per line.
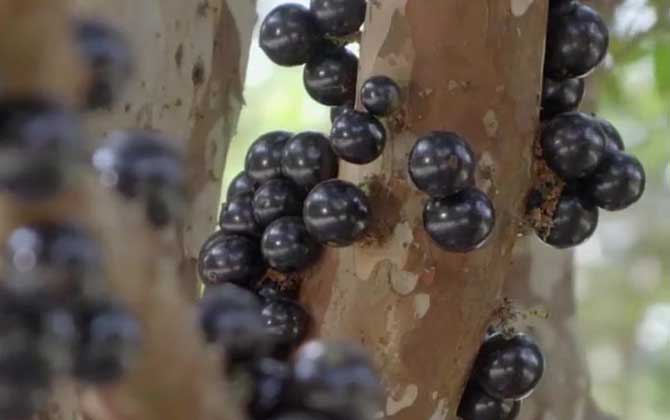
[308, 160]
[38, 138]
[277, 198]
[336, 111]
[288, 323]
[577, 41]
[478, 405]
[263, 161]
[237, 217]
[575, 220]
[337, 213]
[269, 289]
[109, 339]
[336, 378]
[330, 76]
[613, 140]
[573, 144]
[230, 317]
[58, 261]
[109, 60]
[509, 368]
[272, 379]
[289, 35]
[358, 137]
[560, 97]
[287, 247]
[231, 259]
[617, 183]
[441, 164]
[338, 17]
[380, 96]
[461, 222]
[241, 184]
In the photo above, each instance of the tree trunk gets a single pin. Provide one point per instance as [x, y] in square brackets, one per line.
[470, 67]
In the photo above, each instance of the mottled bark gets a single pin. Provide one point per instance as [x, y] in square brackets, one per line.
[473, 67]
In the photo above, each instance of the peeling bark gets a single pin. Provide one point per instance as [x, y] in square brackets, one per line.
[470, 67]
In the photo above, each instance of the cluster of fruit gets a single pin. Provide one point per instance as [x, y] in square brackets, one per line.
[583, 150]
[57, 318]
[506, 371]
[258, 333]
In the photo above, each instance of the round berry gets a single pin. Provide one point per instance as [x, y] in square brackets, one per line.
[358, 137]
[478, 405]
[330, 76]
[337, 213]
[509, 368]
[108, 56]
[441, 164]
[277, 198]
[577, 41]
[263, 161]
[289, 35]
[308, 160]
[339, 17]
[38, 139]
[287, 247]
[336, 111]
[237, 217]
[288, 322]
[231, 317]
[241, 184]
[574, 221]
[461, 222]
[56, 260]
[380, 95]
[272, 380]
[573, 144]
[231, 259]
[337, 378]
[617, 183]
[109, 338]
[613, 140]
[560, 97]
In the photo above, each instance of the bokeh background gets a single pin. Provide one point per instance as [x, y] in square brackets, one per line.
[623, 272]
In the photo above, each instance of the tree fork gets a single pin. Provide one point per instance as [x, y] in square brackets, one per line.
[470, 67]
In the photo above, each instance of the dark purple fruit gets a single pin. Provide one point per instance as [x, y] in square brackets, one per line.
[58, 261]
[509, 368]
[339, 17]
[573, 144]
[231, 259]
[441, 164]
[301, 415]
[613, 140]
[461, 222]
[308, 159]
[478, 405]
[231, 317]
[617, 183]
[237, 217]
[288, 323]
[241, 184]
[380, 95]
[330, 76]
[336, 111]
[38, 138]
[289, 35]
[560, 97]
[575, 220]
[109, 339]
[277, 198]
[143, 164]
[358, 137]
[287, 247]
[107, 53]
[263, 161]
[577, 41]
[271, 379]
[337, 213]
[338, 379]
[269, 289]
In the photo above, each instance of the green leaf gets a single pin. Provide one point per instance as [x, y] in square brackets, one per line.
[662, 68]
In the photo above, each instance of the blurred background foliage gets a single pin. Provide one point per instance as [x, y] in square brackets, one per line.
[623, 272]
